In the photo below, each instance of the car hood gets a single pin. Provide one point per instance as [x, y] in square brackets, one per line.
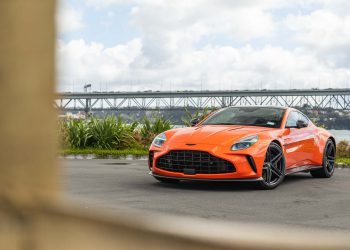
[214, 134]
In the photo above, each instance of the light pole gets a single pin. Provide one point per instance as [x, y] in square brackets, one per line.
[86, 86]
[87, 100]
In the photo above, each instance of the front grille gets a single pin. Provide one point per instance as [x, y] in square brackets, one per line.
[194, 162]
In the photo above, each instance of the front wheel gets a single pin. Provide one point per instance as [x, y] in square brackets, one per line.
[327, 169]
[274, 167]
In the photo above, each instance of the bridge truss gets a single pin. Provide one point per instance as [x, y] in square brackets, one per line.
[313, 98]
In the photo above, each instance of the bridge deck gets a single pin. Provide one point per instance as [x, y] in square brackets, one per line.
[148, 100]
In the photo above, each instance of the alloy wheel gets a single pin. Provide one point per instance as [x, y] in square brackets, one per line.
[273, 169]
[327, 168]
[329, 157]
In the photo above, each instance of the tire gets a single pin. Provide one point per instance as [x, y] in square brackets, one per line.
[167, 180]
[327, 169]
[273, 172]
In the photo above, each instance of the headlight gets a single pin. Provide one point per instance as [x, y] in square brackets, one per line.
[159, 140]
[245, 142]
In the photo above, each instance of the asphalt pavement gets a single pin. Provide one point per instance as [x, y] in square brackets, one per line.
[300, 200]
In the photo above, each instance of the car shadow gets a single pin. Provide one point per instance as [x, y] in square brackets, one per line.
[229, 185]
[297, 177]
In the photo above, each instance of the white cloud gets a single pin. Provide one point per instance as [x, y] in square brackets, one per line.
[175, 49]
[68, 19]
[168, 28]
[213, 67]
[83, 62]
[322, 28]
[324, 33]
[242, 20]
[340, 7]
[105, 3]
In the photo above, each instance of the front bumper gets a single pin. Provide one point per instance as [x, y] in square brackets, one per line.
[204, 179]
[239, 159]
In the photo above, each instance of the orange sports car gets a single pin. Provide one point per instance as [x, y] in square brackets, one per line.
[261, 144]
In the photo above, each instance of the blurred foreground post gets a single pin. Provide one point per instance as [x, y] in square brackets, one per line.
[32, 216]
[28, 173]
[27, 129]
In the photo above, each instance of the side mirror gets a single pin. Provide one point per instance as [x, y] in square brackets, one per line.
[194, 122]
[301, 124]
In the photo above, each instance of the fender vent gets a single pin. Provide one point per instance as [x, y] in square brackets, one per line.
[251, 162]
[150, 159]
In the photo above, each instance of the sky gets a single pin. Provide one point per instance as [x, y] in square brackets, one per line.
[141, 45]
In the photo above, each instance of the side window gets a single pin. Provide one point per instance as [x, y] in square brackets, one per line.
[292, 119]
[303, 118]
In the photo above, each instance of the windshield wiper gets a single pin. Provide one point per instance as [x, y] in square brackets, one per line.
[222, 123]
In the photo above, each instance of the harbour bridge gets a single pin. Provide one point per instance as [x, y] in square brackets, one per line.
[165, 100]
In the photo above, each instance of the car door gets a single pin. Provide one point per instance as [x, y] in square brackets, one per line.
[298, 142]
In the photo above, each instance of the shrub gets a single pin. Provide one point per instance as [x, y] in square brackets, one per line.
[78, 133]
[343, 149]
[199, 114]
[152, 127]
[63, 135]
[109, 133]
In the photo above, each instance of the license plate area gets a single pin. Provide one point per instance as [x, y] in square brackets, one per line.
[190, 171]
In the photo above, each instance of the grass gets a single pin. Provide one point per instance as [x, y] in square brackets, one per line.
[343, 160]
[105, 152]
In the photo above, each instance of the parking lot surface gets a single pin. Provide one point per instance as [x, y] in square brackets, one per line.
[125, 185]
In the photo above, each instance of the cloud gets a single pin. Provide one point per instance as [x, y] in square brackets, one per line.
[212, 67]
[169, 28]
[217, 45]
[241, 20]
[92, 62]
[325, 33]
[68, 19]
[99, 4]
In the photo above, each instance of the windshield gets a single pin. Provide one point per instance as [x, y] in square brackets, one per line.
[252, 116]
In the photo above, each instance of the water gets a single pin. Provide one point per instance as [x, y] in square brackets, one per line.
[341, 134]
